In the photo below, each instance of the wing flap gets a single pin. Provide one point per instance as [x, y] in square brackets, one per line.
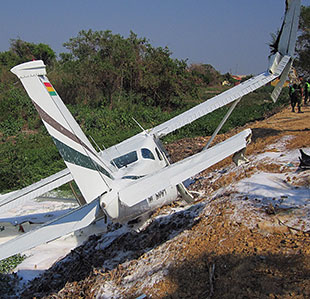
[178, 172]
[52, 230]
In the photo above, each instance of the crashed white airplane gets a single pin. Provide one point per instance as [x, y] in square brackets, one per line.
[134, 176]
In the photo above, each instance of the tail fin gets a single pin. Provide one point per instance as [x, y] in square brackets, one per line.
[88, 170]
[285, 42]
[288, 33]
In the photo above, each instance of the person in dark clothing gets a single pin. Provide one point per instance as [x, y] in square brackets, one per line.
[307, 91]
[295, 93]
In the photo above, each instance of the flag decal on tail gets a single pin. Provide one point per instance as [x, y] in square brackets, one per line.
[50, 88]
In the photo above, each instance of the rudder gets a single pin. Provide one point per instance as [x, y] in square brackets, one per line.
[92, 176]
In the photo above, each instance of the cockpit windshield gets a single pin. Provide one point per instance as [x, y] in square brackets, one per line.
[125, 159]
[132, 157]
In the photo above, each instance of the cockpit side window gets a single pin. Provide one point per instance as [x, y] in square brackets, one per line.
[147, 154]
[158, 154]
[125, 159]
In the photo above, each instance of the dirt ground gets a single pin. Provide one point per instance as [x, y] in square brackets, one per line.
[264, 262]
[209, 256]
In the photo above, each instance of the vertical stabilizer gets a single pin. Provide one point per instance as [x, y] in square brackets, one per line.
[88, 170]
[286, 39]
[288, 33]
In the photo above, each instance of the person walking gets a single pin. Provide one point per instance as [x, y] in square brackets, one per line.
[295, 93]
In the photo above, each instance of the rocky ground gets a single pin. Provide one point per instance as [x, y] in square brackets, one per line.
[226, 245]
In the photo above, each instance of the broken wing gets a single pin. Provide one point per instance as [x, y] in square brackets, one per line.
[221, 100]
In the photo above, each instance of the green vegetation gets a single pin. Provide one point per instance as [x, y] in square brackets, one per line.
[302, 63]
[102, 68]
[10, 263]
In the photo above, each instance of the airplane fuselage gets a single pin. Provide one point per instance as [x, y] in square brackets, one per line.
[130, 161]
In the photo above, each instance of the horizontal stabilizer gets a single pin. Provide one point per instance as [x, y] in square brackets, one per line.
[17, 198]
[89, 171]
[52, 230]
[176, 173]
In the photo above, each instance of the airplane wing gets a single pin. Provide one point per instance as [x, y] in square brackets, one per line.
[17, 198]
[178, 172]
[284, 49]
[52, 230]
[220, 100]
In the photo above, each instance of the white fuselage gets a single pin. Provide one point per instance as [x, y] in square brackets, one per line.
[131, 160]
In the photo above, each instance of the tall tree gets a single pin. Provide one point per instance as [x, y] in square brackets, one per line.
[22, 51]
[109, 65]
[106, 62]
[302, 63]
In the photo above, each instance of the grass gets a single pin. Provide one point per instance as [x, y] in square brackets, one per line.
[7, 265]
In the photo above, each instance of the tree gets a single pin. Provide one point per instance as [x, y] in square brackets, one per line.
[302, 63]
[109, 67]
[19, 52]
[106, 62]
[206, 74]
[22, 51]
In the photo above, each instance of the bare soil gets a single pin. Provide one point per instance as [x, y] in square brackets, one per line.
[208, 256]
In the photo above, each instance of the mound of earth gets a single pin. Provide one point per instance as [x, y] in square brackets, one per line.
[247, 235]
